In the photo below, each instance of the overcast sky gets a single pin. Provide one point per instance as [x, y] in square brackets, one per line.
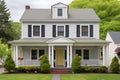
[17, 7]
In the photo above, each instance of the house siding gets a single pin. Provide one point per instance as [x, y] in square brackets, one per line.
[112, 48]
[72, 29]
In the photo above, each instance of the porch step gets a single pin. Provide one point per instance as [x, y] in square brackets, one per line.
[60, 71]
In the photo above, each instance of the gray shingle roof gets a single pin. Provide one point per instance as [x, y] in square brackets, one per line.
[75, 15]
[44, 40]
[115, 37]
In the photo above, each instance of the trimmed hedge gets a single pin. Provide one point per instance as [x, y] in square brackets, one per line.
[28, 69]
[93, 69]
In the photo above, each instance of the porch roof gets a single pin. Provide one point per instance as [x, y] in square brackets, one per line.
[46, 40]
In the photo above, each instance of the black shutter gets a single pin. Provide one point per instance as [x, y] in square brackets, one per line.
[78, 30]
[91, 30]
[67, 30]
[29, 30]
[42, 30]
[54, 30]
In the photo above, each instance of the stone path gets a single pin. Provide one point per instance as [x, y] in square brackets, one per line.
[56, 77]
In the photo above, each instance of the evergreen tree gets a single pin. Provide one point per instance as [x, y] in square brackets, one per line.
[44, 64]
[9, 63]
[115, 66]
[76, 64]
[6, 32]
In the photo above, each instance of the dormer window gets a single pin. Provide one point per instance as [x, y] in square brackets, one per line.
[60, 11]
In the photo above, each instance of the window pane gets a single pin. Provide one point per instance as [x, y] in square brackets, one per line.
[60, 30]
[78, 52]
[41, 52]
[59, 12]
[84, 30]
[36, 30]
[34, 54]
[86, 54]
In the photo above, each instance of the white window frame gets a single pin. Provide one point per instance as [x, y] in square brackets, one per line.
[39, 30]
[37, 52]
[88, 30]
[82, 52]
[57, 30]
[58, 12]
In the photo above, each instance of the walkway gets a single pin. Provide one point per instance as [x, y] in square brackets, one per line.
[56, 77]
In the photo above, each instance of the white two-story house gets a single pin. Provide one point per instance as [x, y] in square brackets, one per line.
[60, 33]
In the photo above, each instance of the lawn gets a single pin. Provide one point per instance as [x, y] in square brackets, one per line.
[90, 77]
[25, 77]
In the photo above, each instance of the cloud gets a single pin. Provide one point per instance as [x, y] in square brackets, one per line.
[17, 7]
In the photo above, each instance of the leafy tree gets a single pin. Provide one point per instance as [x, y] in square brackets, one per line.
[44, 64]
[115, 66]
[4, 51]
[9, 63]
[107, 10]
[6, 32]
[16, 27]
[76, 64]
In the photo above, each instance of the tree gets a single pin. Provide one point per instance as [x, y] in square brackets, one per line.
[16, 28]
[107, 10]
[115, 66]
[6, 32]
[44, 64]
[9, 63]
[4, 51]
[76, 64]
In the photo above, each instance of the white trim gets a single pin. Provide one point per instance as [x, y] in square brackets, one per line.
[37, 52]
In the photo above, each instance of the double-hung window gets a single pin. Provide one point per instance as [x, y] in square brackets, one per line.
[60, 30]
[36, 30]
[59, 12]
[84, 31]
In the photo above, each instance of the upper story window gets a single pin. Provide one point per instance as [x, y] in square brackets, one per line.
[60, 30]
[60, 11]
[84, 31]
[36, 30]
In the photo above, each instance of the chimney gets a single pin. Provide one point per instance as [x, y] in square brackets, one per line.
[27, 7]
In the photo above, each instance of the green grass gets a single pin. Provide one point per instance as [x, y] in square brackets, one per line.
[90, 77]
[25, 77]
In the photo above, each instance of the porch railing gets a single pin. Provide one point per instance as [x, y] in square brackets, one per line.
[92, 62]
[29, 62]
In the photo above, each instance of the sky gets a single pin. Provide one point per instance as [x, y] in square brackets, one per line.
[17, 7]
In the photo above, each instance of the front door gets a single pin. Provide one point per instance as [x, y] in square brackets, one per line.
[60, 57]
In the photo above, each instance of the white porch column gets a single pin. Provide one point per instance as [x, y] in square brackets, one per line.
[49, 54]
[105, 55]
[52, 63]
[70, 55]
[68, 61]
[16, 52]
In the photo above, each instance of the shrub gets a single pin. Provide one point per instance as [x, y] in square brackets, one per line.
[103, 69]
[44, 64]
[9, 63]
[76, 64]
[115, 66]
[21, 69]
[31, 68]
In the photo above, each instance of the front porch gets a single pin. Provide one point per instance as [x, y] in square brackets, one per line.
[61, 51]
